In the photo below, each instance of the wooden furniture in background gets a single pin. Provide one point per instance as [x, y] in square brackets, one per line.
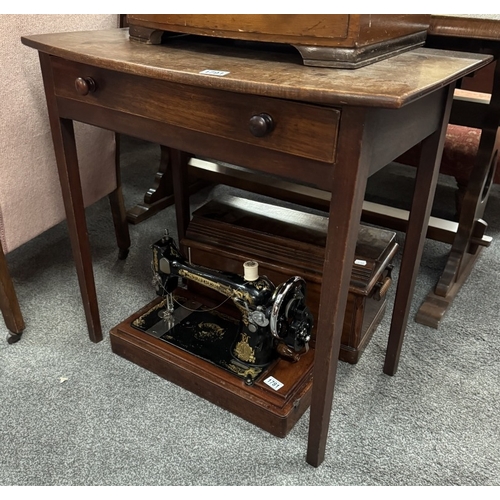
[478, 34]
[324, 128]
[161, 194]
[329, 40]
[224, 233]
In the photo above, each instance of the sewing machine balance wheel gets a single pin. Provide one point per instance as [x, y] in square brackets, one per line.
[290, 317]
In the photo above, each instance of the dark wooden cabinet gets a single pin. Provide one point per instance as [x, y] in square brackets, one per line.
[330, 40]
[287, 242]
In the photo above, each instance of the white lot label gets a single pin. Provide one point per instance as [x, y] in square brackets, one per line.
[214, 72]
[360, 262]
[273, 383]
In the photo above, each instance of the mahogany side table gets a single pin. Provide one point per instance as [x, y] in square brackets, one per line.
[327, 128]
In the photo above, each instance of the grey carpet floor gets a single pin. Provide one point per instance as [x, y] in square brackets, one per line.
[74, 413]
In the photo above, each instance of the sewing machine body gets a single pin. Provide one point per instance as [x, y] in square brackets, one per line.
[274, 320]
[227, 355]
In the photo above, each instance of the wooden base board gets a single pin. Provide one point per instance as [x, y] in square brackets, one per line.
[434, 307]
[275, 411]
[143, 211]
[372, 318]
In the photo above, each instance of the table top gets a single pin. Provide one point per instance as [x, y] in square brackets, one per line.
[274, 72]
[476, 26]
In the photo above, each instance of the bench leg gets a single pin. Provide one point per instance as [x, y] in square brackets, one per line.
[464, 251]
[118, 211]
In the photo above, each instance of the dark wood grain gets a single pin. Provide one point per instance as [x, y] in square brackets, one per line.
[327, 40]
[425, 185]
[345, 213]
[180, 182]
[305, 29]
[361, 132]
[480, 182]
[473, 26]
[470, 33]
[387, 84]
[63, 137]
[301, 129]
[117, 205]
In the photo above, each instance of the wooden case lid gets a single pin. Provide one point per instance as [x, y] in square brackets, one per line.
[269, 232]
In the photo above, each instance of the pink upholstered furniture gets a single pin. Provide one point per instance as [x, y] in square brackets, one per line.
[30, 195]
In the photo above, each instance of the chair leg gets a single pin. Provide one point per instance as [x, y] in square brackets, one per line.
[118, 211]
[120, 222]
[9, 304]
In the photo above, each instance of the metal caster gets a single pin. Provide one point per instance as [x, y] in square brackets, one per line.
[12, 338]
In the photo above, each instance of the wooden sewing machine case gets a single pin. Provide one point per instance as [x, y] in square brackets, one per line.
[285, 242]
[328, 40]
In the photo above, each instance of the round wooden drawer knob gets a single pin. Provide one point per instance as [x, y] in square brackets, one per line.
[85, 85]
[261, 125]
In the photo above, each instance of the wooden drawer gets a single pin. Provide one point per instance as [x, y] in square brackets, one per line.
[299, 129]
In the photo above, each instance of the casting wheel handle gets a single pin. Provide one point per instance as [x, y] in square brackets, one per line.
[384, 287]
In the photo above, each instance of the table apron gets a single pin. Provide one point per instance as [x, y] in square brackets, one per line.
[298, 169]
[395, 131]
[392, 132]
[297, 128]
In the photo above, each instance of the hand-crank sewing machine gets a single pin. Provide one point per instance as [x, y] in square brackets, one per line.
[248, 352]
[275, 321]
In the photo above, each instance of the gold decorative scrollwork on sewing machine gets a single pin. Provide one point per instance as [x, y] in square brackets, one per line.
[274, 322]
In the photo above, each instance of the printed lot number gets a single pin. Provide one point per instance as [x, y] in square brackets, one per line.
[273, 383]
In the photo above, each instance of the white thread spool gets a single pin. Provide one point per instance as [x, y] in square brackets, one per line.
[251, 270]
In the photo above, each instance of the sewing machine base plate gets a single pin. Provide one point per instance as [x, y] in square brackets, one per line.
[201, 331]
[272, 408]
